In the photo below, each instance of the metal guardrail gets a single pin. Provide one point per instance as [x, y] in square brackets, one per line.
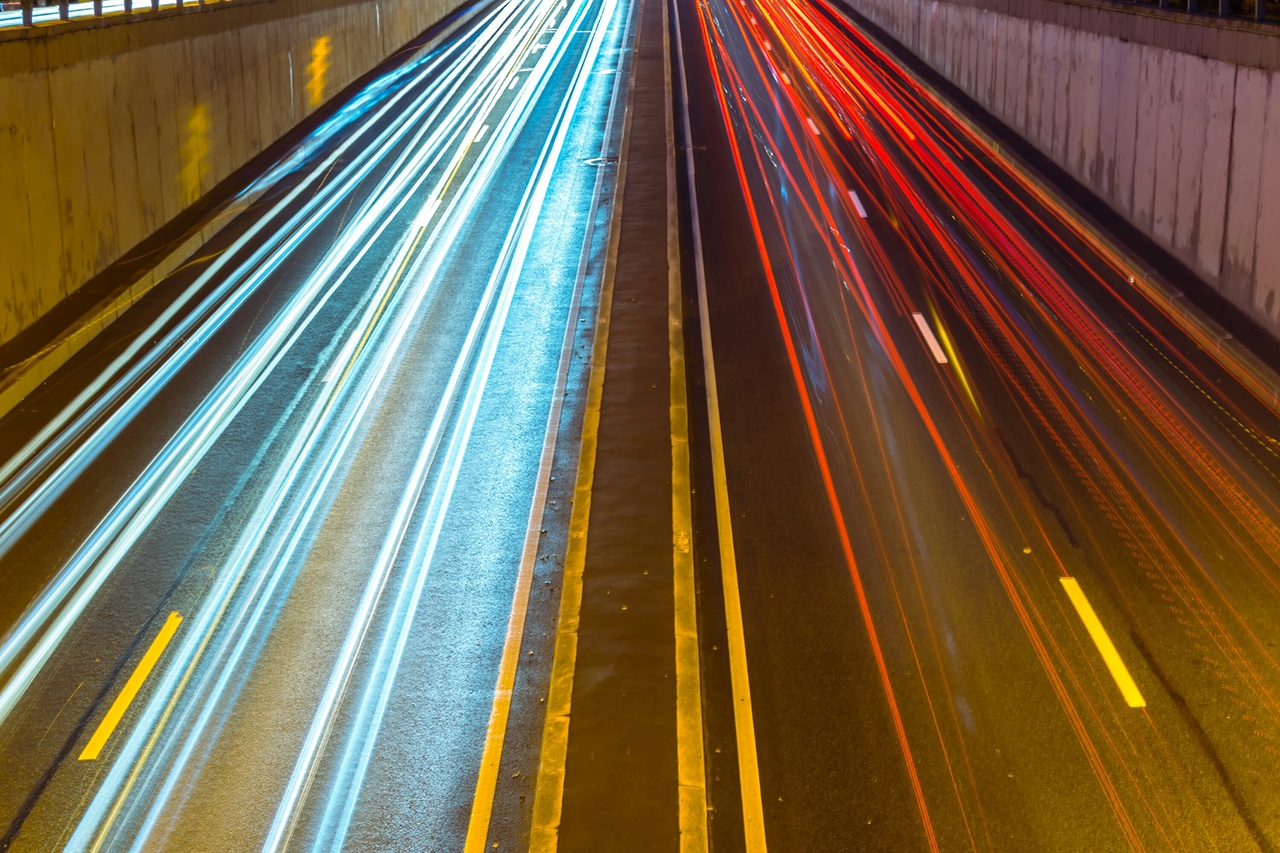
[1254, 10]
[27, 13]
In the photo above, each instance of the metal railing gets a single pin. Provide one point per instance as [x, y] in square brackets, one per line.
[1260, 10]
[1254, 10]
[27, 13]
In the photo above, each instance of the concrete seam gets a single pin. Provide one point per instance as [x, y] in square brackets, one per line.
[1231, 153]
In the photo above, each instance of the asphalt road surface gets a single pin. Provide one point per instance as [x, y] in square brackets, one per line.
[985, 520]
[263, 543]
[1006, 518]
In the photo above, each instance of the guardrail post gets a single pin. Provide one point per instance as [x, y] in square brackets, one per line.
[26, 13]
[1224, 8]
[1259, 10]
[97, 8]
[128, 7]
[64, 10]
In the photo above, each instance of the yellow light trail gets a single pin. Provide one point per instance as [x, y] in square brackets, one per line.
[131, 688]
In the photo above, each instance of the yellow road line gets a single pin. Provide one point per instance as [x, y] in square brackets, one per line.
[691, 766]
[1119, 671]
[500, 711]
[473, 136]
[548, 797]
[382, 305]
[743, 717]
[131, 688]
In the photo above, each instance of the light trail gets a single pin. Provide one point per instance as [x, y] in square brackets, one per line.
[408, 177]
[87, 426]
[85, 573]
[282, 554]
[343, 794]
[1159, 462]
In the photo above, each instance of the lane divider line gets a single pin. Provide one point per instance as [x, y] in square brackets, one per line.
[1120, 672]
[932, 342]
[813, 127]
[691, 764]
[131, 688]
[504, 691]
[548, 798]
[743, 717]
[857, 203]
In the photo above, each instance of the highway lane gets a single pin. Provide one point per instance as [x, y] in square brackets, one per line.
[323, 447]
[1039, 609]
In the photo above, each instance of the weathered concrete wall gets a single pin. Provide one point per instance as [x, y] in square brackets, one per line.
[109, 131]
[1173, 120]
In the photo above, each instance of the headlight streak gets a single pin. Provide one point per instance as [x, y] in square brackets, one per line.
[97, 399]
[196, 328]
[106, 821]
[344, 792]
[96, 558]
[1113, 432]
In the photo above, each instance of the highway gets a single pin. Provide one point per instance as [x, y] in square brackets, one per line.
[414, 514]
[265, 545]
[1006, 519]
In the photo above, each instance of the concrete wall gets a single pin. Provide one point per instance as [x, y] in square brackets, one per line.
[1173, 120]
[108, 131]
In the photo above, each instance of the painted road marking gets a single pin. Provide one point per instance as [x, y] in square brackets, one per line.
[785, 78]
[515, 81]
[938, 355]
[691, 761]
[346, 360]
[480, 133]
[743, 716]
[813, 127]
[423, 219]
[500, 712]
[548, 797]
[857, 203]
[1119, 671]
[131, 688]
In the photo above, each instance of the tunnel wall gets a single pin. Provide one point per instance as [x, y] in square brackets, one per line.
[108, 131]
[1165, 116]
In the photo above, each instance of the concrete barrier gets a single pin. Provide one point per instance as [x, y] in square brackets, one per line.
[110, 128]
[1172, 119]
